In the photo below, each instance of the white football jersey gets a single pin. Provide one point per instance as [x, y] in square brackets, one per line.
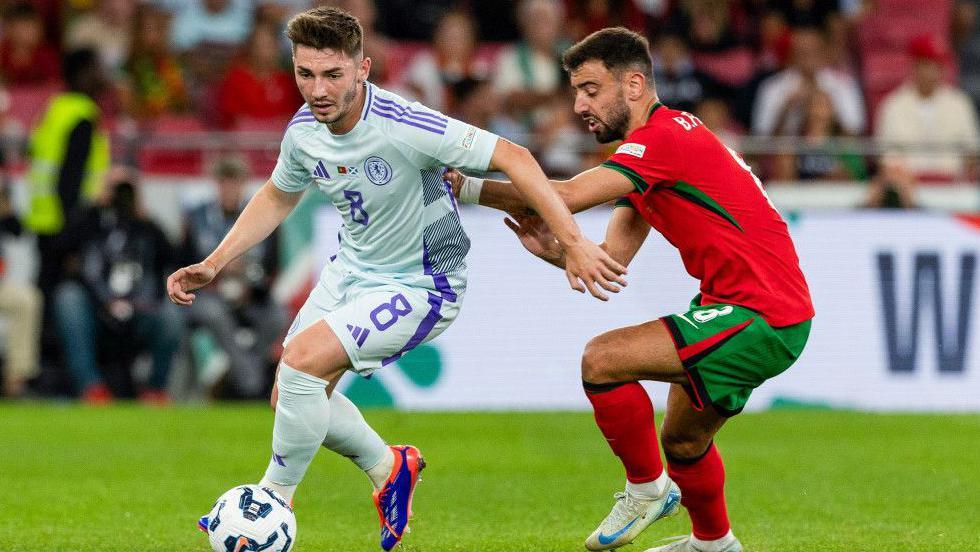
[385, 177]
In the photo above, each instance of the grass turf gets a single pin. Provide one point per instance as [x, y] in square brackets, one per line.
[129, 478]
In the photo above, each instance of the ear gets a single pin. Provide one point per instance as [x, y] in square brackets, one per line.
[364, 70]
[636, 85]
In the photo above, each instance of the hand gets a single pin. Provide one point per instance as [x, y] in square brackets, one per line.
[455, 180]
[536, 237]
[189, 278]
[588, 266]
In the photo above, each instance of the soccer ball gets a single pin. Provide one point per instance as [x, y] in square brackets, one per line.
[250, 517]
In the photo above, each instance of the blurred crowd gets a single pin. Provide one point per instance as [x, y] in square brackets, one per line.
[818, 70]
[878, 91]
[97, 323]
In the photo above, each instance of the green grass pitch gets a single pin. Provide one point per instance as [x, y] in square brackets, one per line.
[129, 478]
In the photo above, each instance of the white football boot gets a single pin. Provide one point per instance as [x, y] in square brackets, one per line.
[630, 516]
[685, 544]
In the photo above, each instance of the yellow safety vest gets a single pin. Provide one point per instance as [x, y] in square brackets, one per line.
[48, 145]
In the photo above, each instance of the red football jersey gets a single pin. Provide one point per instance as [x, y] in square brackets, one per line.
[705, 200]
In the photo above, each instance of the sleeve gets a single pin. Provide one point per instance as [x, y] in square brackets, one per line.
[444, 140]
[289, 174]
[624, 202]
[647, 158]
[850, 106]
[72, 169]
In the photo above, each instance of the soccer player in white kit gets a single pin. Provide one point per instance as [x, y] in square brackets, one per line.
[399, 277]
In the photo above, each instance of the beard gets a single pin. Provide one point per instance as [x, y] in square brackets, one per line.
[344, 105]
[616, 122]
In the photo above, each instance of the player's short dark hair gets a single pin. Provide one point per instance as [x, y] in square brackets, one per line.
[618, 48]
[326, 27]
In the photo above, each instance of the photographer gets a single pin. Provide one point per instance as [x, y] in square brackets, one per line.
[113, 299]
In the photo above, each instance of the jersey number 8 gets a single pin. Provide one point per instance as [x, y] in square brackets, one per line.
[357, 212]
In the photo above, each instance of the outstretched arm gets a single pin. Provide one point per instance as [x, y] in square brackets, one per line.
[625, 234]
[264, 212]
[587, 266]
[583, 191]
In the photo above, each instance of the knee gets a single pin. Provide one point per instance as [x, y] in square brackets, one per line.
[300, 357]
[595, 362]
[684, 445]
[316, 351]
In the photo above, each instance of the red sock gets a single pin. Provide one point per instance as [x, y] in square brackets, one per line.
[702, 484]
[624, 413]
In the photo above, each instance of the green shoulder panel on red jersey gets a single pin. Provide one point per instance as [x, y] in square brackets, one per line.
[633, 176]
[691, 193]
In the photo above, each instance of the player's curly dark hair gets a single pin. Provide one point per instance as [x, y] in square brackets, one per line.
[618, 48]
[330, 28]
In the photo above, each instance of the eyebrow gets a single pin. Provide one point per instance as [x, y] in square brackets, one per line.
[329, 70]
[584, 84]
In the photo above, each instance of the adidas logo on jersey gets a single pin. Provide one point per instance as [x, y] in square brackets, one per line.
[320, 171]
[359, 334]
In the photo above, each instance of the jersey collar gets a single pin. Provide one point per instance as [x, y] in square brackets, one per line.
[368, 99]
[656, 105]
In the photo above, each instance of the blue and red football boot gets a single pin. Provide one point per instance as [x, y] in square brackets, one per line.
[394, 498]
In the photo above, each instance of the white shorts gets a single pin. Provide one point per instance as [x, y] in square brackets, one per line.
[376, 320]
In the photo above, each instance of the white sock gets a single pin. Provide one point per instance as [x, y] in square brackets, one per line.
[285, 491]
[302, 419]
[380, 472]
[717, 545]
[650, 490]
[351, 436]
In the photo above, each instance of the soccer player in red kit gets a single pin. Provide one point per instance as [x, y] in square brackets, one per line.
[749, 322]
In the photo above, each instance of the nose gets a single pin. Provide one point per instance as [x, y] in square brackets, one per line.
[581, 105]
[319, 87]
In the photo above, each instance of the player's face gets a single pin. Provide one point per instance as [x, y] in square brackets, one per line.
[601, 101]
[329, 80]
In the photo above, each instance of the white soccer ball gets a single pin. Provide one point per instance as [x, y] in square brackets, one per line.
[251, 518]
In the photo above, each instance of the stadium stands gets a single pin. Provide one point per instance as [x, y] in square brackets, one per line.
[162, 108]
